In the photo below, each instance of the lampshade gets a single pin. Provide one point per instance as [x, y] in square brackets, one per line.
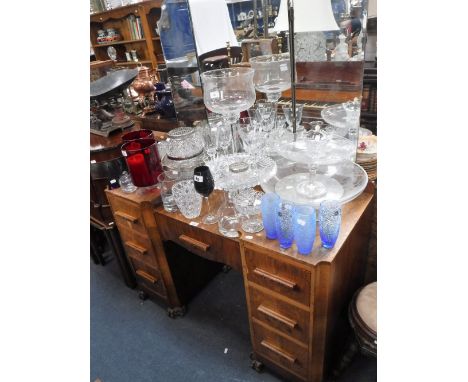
[309, 16]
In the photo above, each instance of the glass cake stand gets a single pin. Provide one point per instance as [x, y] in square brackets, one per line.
[336, 116]
[344, 181]
[315, 148]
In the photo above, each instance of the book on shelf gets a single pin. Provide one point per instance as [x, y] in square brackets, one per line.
[130, 28]
[136, 27]
[140, 27]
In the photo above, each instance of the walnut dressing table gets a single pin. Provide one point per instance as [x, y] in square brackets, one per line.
[295, 303]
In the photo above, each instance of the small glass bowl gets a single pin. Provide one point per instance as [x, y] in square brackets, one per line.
[184, 143]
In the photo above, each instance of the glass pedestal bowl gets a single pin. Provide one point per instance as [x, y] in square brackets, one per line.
[272, 74]
[228, 92]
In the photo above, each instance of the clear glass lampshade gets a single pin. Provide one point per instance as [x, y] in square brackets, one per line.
[272, 74]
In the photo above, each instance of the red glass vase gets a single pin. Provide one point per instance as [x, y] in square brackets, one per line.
[143, 161]
[138, 134]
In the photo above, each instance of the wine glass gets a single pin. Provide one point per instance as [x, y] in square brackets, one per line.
[266, 111]
[252, 136]
[228, 92]
[204, 185]
[224, 137]
[210, 139]
[272, 74]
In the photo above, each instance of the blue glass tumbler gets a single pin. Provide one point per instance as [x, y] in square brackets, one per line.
[269, 202]
[285, 223]
[304, 228]
[329, 222]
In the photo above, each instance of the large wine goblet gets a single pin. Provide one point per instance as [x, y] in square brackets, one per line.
[204, 185]
[228, 92]
[272, 74]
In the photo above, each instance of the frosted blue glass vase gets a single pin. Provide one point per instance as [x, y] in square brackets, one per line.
[304, 228]
[329, 222]
[269, 203]
[285, 223]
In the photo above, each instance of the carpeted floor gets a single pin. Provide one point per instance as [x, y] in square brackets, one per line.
[135, 341]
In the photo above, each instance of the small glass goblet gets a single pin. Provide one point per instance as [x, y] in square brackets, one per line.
[210, 139]
[288, 111]
[248, 203]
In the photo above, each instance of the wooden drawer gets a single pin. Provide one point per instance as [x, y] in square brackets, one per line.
[200, 241]
[148, 277]
[138, 246]
[282, 316]
[127, 214]
[278, 276]
[280, 350]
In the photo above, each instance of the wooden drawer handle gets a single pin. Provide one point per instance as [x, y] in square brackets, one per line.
[147, 276]
[278, 351]
[195, 243]
[277, 316]
[274, 278]
[136, 247]
[125, 216]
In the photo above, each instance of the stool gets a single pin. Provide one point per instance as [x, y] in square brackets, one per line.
[362, 315]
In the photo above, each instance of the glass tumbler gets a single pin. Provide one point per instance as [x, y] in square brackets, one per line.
[269, 202]
[285, 223]
[304, 228]
[166, 182]
[187, 198]
[126, 183]
[329, 222]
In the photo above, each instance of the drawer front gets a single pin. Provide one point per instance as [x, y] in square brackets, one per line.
[127, 214]
[278, 276]
[280, 350]
[148, 277]
[201, 242]
[138, 246]
[287, 318]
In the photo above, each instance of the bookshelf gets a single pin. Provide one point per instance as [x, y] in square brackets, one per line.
[136, 24]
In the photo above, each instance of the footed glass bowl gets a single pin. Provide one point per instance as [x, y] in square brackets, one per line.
[342, 181]
[238, 171]
[331, 149]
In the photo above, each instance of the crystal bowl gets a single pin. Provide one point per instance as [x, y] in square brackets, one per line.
[184, 143]
[238, 171]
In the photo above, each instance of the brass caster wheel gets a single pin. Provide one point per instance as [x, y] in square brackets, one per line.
[142, 295]
[257, 366]
[226, 268]
[176, 312]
